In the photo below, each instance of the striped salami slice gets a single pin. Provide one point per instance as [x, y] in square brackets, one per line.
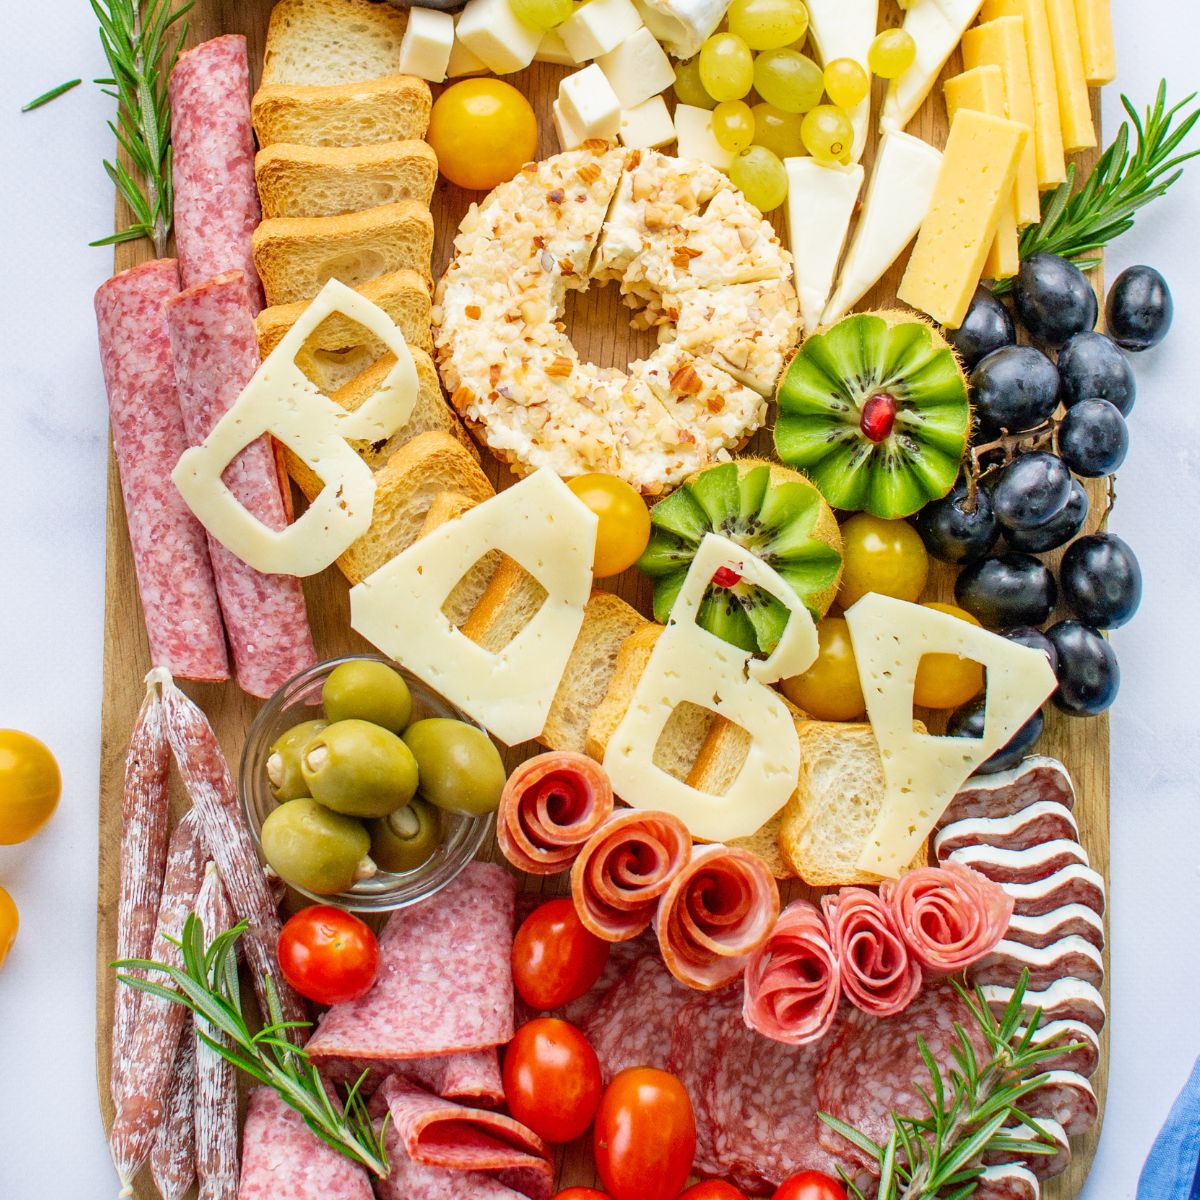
[413, 1181]
[1073, 884]
[550, 806]
[1063, 1000]
[1008, 1182]
[1066, 1098]
[216, 198]
[216, 354]
[1071, 920]
[170, 551]
[793, 982]
[1072, 958]
[879, 975]
[1083, 1060]
[1021, 866]
[1007, 792]
[1045, 821]
[1043, 1166]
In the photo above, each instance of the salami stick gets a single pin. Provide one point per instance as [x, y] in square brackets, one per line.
[206, 775]
[151, 1054]
[143, 863]
[216, 1082]
[173, 1158]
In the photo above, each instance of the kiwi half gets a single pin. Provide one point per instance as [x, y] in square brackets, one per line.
[776, 514]
[874, 410]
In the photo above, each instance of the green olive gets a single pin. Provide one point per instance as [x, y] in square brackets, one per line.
[407, 838]
[313, 848]
[359, 769]
[460, 766]
[283, 763]
[366, 690]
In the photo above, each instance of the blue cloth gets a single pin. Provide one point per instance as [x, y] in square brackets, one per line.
[1172, 1170]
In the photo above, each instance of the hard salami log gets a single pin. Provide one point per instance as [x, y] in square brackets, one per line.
[173, 1158]
[879, 975]
[216, 354]
[170, 551]
[216, 198]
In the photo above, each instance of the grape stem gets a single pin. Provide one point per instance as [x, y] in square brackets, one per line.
[1037, 438]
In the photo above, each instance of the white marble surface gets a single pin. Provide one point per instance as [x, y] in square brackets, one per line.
[52, 550]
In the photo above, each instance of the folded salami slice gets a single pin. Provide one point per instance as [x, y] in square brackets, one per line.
[282, 1157]
[879, 975]
[170, 550]
[1021, 866]
[445, 978]
[473, 1076]
[1071, 920]
[1073, 884]
[410, 1180]
[1063, 1000]
[216, 198]
[215, 349]
[949, 917]
[1066, 1098]
[718, 910]
[1008, 792]
[624, 867]
[550, 806]
[1045, 821]
[621, 957]
[1083, 1060]
[1069, 958]
[793, 980]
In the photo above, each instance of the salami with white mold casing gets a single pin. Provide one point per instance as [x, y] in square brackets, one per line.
[1036, 779]
[1045, 821]
[1083, 1059]
[1043, 1166]
[206, 778]
[1073, 884]
[151, 1053]
[173, 1156]
[879, 975]
[1066, 1098]
[1071, 920]
[216, 197]
[216, 354]
[143, 862]
[1068, 958]
[1008, 1182]
[1021, 866]
[1063, 1000]
[170, 550]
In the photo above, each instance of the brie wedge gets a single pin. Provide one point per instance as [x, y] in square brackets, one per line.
[846, 29]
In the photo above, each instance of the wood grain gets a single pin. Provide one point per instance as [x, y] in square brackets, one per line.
[598, 325]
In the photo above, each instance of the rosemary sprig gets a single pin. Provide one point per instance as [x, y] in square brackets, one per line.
[137, 39]
[939, 1156]
[208, 985]
[52, 94]
[1123, 181]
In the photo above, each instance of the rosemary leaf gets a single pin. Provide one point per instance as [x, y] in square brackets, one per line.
[52, 94]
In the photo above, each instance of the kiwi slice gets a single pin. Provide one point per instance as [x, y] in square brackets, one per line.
[874, 410]
[776, 514]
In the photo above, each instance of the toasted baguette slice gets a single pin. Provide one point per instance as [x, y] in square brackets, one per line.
[297, 256]
[332, 41]
[465, 594]
[391, 109]
[511, 601]
[326, 181]
[836, 803]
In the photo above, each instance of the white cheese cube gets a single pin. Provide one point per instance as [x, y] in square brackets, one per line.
[491, 31]
[589, 103]
[570, 136]
[682, 26]
[647, 126]
[637, 68]
[694, 132]
[463, 61]
[598, 27]
[427, 43]
[552, 49]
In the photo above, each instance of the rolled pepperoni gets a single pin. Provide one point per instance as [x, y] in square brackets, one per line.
[170, 551]
[949, 916]
[794, 980]
[879, 976]
[623, 869]
[216, 354]
[718, 910]
[550, 806]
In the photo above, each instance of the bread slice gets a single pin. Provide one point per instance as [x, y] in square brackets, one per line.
[332, 41]
[326, 181]
[509, 603]
[836, 803]
[297, 256]
[392, 109]
[465, 594]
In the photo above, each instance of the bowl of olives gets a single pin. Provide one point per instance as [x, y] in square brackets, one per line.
[364, 787]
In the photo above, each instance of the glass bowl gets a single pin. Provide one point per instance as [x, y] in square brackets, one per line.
[299, 700]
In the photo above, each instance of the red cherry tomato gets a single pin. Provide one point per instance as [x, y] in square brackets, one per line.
[810, 1185]
[552, 1079]
[555, 960]
[713, 1189]
[645, 1137]
[579, 1193]
[328, 955]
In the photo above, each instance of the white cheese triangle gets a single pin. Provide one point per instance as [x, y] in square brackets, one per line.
[846, 29]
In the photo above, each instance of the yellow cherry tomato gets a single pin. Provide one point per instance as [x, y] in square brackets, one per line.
[945, 680]
[830, 689]
[8, 924]
[483, 131]
[881, 556]
[624, 521]
[29, 786]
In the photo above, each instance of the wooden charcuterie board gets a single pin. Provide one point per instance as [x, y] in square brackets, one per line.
[599, 327]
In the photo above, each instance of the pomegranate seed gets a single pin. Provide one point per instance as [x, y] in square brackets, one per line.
[878, 417]
[725, 577]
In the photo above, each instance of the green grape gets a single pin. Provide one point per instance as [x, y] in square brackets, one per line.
[688, 88]
[733, 125]
[726, 67]
[777, 131]
[761, 177]
[789, 80]
[541, 14]
[846, 83]
[828, 135]
[892, 53]
[768, 24]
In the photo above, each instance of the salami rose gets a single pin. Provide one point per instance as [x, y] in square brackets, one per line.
[879, 975]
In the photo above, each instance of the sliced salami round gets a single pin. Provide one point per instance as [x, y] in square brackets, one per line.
[1045, 821]
[1036, 779]
[1063, 1000]
[1043, 1166]
[879, 975]
[1021, 866]
[1008, 1182]
[1066, 1098]
[1073, 884]
[1071, 920]
[1069, 958]
[1083, 1059]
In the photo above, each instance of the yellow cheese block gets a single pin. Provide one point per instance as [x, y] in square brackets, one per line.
[1096, 41]
[982, 89]
[1001, 43]
[979, 168]
[1074, 102]
[1047, 125]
